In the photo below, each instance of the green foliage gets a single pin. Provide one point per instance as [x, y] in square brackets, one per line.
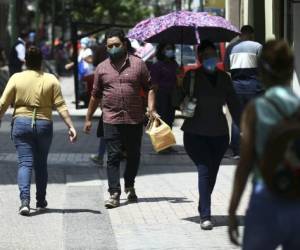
[110, 11]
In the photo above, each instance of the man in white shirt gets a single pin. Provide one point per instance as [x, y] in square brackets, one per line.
[17, 54]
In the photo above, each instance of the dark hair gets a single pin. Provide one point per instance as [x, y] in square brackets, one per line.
[204, 45]
[276, 63]
[115, 32]
[23, 34]
[247, 29]
[159, 50]
[33, 58]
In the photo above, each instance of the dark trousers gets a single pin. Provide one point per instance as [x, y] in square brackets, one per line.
[164, 107]
[235, 131]
[32, 146]
[119, 137]
[207, 153]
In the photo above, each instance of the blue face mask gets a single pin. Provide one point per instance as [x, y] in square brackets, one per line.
[210, 64]
[169, 53]
[116, 52]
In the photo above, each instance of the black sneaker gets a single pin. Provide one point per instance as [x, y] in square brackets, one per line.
[113, 201]
[131, 195]
[24, 208]
[41, 205]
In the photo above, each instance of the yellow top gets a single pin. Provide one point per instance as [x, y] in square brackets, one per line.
[31, 89]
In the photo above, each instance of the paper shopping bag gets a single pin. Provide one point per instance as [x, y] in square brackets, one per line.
[160, 134]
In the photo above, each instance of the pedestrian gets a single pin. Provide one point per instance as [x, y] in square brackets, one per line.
[241, 61]
[117, 85]
[17, 54]
[206, 134]
[271, 221]
[85, 75]
[33, 94]
[163, 75]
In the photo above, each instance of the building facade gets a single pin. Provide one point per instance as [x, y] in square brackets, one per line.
[271, 19]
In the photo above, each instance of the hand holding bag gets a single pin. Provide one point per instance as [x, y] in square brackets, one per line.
[160, 134]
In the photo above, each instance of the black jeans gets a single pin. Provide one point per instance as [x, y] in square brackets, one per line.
[117, 137]
[207, 153]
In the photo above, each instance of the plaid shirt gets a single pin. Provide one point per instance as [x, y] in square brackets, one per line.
[120, 91]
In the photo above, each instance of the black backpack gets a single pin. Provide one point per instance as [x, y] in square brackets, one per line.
[280, 162]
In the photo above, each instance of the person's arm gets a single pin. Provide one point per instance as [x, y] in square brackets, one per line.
[8, 96]
[244, 168]
[68, 121]
[147, 86]
[96, 99]
[61, 107]
[93, 105]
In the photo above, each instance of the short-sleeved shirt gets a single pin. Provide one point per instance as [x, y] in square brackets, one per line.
[120, 91]
[242, 59]
[31, 89]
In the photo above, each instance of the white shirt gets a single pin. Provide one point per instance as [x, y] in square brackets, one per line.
[20, 48]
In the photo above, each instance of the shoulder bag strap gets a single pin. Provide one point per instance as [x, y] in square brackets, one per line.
[192, 83]
[276, 106]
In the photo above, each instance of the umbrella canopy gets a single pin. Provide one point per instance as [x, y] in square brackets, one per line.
[184, 27]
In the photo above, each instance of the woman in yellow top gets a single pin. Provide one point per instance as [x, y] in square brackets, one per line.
[34, 94]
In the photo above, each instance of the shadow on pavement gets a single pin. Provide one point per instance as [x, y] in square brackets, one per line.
[159, 199]
[218, 220]
[63, 211]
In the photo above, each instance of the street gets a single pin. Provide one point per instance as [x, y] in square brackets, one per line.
[165, 217]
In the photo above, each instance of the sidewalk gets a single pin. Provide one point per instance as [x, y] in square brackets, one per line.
[165, 217]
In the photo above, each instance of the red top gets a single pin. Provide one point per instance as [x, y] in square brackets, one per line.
[120, 91]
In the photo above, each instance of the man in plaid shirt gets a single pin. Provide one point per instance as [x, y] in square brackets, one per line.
[119, 82]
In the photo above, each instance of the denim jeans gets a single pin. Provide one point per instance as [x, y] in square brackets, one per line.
[32, 146]
[207, 153]
[271, 221]
[235, 131]
[119, 137]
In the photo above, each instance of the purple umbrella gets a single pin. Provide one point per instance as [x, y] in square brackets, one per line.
[184, 27]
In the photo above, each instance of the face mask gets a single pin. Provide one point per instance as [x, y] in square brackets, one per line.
[116, 52]
[169, 53]
[210, 64]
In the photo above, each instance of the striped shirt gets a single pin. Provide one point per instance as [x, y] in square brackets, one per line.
[242, 59]
[120, 91]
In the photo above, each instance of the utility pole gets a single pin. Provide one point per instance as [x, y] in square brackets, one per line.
[13, 21]
[201, 5]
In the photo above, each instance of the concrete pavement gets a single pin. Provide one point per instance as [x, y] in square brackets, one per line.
[165, 217]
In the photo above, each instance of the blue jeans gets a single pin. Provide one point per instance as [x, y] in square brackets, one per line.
[235, 131]
[271, 222]
[32, 146]
[207, 153]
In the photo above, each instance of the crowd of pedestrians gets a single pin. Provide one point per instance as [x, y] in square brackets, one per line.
[126, 88]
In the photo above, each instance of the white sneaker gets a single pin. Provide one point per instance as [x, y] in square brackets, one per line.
[206, 225]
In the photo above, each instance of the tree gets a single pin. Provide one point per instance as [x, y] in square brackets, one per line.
[116, 11]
